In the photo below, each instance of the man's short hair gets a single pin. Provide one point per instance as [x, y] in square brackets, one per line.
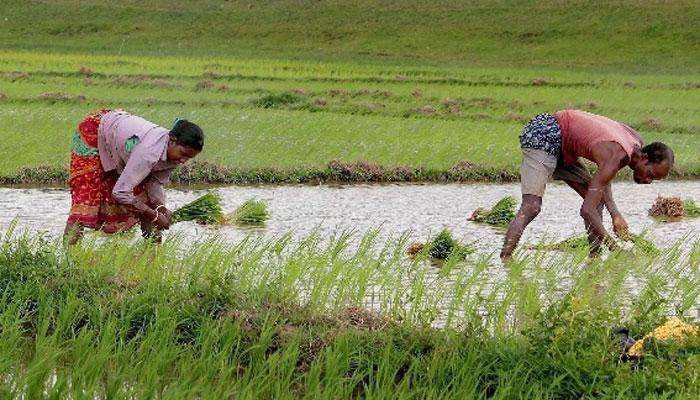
[658, 152]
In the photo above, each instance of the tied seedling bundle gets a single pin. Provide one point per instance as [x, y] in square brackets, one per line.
[501, 214]
[206, 210]
[252, 212]
[668, 209]
[441, 247]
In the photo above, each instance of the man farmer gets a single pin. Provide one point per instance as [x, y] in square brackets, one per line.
[552, 146]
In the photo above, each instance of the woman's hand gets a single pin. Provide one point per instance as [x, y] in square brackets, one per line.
[162, 220]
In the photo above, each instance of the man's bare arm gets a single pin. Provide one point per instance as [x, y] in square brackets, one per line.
[610, 202]
[608, 156]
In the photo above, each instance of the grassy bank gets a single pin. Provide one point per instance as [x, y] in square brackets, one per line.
[282, 319]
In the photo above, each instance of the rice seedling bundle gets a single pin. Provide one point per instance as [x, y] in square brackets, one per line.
[251, 212]
[673, 209]
[574, 243]
[501, 214]
[444, 246]
[441, 247]
[205, 210]
[667, 208]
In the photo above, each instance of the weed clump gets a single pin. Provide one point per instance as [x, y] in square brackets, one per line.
[205, 210]
[501, 214]
[278, 100]
[252, 212]
[56, 97]
[141, 81]
[85, 71]
[209, 84]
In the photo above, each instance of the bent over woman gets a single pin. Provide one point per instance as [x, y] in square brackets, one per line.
[119, 165]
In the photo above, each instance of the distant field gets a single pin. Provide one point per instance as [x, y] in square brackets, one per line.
[302, 114]
[290, 86]
[626, 35]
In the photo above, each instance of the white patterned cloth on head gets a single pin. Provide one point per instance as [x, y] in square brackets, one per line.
[542, 133]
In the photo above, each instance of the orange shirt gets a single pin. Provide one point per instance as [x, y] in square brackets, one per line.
[581, 130]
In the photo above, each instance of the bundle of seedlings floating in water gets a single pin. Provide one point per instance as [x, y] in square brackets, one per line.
[441, 247]
[669, 209]
[206, 210]
[252, 212]
[576, 243]
[501, 214]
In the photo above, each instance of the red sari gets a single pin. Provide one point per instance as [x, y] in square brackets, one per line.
[92, 204]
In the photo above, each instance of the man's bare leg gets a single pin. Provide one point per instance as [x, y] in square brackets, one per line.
[594, 243]
[529, 209]
[73, 232]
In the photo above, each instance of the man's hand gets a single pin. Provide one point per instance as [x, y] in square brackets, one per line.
[620, 227]
[611, 244]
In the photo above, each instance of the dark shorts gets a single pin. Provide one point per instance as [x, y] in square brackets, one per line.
[542, 133]
[541, 145]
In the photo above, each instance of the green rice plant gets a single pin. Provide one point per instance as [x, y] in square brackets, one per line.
[691, 209]
[575, 243]
[314, 318]
[644, 245]
[205, 210]
[501, 214]
[251, 212]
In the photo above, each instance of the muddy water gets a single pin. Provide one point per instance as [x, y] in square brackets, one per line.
[395, 209]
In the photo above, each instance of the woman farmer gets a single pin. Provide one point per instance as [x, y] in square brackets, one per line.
[119, 165]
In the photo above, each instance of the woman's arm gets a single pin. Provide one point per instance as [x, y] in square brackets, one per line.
[137, 169]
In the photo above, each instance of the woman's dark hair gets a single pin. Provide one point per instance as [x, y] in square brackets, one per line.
[658, 152]
[188, 134]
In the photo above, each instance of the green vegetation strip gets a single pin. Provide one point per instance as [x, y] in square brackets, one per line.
[442, 32]
[335, 171]
[284, 320]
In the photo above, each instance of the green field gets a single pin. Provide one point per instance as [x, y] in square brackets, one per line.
[284, 88]
[282, 319]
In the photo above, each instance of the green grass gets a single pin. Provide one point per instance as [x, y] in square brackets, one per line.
[283, 319]
[630, 35]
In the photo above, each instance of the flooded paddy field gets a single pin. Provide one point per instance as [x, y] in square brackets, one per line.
[419, 210]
